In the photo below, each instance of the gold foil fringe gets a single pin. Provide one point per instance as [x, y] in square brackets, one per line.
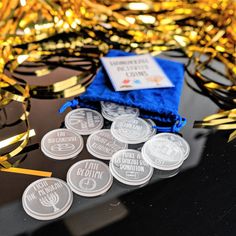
[33, 32]
[224, 120]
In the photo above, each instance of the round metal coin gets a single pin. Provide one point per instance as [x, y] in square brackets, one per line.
[62, 144]
[47, 199]
[110, 110]
[108, 105]
[129, 167]
[89, 178]
[151, 123]
[103, 145]
[84, 121]
[181, 142]
[130, 129]
[162, 154]
[107, 116]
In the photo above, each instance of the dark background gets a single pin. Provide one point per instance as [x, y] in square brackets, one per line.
[199, 200]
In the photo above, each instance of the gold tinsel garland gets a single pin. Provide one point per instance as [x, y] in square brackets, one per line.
[37, 33]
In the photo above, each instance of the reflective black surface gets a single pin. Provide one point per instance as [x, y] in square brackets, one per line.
[200, 199]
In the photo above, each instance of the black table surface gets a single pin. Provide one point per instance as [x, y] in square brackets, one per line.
[198, 199]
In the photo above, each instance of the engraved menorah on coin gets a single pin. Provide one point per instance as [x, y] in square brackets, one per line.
[50, 200]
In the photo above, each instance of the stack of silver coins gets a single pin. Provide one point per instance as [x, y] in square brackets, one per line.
[111, 111]
[49, 198]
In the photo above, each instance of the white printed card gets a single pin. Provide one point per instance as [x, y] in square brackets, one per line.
[135, 72]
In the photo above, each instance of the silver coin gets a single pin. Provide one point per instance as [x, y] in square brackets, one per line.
[112, 115]
[62, 144]
[129, 167]
[108, 105]
[89, 178]
[181, 142]
[47, 199]
[84, 121]
[125, 110]
[151, 123]
[130, 129]
[103, 145]
[107, 116]
[111, 110]
[162, 154]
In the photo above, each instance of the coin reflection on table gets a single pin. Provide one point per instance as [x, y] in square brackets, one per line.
[164, 174]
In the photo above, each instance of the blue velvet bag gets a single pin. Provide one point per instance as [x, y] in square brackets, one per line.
[160, 105]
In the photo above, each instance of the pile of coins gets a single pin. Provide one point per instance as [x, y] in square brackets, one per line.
[49, 198]
[111, 111]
